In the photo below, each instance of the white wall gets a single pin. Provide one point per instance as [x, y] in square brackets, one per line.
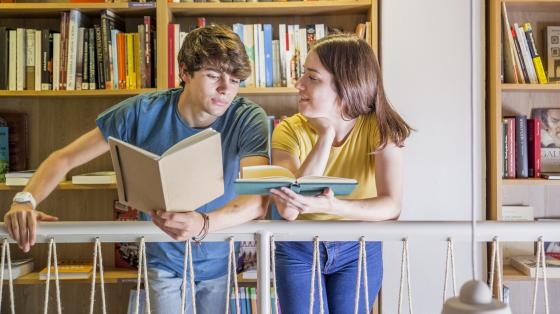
[426, 58]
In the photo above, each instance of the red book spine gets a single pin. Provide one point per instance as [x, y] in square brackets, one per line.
[537, 147]
[511, 145]
[534, 138]
[170, 55]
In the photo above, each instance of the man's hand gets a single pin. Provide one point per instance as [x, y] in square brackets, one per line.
[179, 226]
[289, 201]
[21, 223]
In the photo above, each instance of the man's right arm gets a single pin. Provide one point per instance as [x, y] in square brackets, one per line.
[21, 219]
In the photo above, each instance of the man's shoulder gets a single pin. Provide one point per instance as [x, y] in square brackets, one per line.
[242, 107]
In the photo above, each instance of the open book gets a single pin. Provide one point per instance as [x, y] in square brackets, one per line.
[260, 179]
[186, 176]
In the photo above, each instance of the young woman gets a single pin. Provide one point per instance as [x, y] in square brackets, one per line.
[345, 128]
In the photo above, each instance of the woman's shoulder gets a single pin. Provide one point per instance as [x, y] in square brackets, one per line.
[296, 123]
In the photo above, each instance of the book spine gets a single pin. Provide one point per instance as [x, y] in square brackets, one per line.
[56, 62]
[99, 58]
[92, 58]
[269, 67]
[170, 55]
[142, 82]
[71, 58]
[38, 52]
[20, 59]
[46, 59]
[63, 50]
[12, 64]
[519, 56]
[4, 53]
[521, 151]
[149, 52]
[29, 59]
[537, 61]
[114, 58]
[80, 59]
[85, 61]
[505, 149]
[511, 147]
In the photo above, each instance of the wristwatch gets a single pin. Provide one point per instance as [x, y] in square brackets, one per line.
[25, 197]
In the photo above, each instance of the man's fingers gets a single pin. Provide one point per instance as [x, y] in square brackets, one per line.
[32, 225]
[8, 224]
[15, 228]
[46, 217]
[22, 223]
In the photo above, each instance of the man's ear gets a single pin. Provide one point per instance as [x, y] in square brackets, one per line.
[184, 74]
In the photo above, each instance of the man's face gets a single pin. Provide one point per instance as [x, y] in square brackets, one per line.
[211, 90]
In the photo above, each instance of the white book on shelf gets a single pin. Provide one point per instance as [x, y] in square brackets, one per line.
[527, 264]
[56, 62]
[100, 177]
[531, 72]
[20, 58]
[12, 69]
[38, 60]
[19, 178]
[19, 268]
[71, 58]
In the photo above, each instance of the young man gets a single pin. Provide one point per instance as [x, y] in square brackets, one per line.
[212, 62]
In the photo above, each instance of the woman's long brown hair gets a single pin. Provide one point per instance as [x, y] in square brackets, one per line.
[359, 84]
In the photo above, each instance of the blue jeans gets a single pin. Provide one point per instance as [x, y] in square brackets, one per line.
[165, 293]
[339, 268]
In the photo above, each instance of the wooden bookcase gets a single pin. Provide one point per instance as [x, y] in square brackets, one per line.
[58, 117]
[506, 99]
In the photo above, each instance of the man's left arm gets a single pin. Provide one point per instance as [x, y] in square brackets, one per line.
[243, 208]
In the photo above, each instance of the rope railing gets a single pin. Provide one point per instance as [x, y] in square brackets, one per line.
[265, 232]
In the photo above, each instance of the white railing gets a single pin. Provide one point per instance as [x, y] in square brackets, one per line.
[261, 231]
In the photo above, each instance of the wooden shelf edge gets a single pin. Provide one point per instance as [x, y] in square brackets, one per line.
[67, 185]
[268, 91]
[76, 93]
[530, 87]
[530, 181]
[512, 274]
[111, 275]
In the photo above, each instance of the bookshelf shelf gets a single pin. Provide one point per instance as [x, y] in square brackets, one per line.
[67, 185]
[268, 91]
[531, 87]
[53, 9]
[111, 275]
[269, 8]
[510, 273]
[530, 182]
[75, 93]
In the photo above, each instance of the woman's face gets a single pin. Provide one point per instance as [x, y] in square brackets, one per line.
[317, 93]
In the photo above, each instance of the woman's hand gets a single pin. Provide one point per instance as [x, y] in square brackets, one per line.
[288, 200]
[323, 126]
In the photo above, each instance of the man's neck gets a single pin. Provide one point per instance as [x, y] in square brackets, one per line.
[192, 112]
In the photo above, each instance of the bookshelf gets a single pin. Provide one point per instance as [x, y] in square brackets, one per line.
[58, 117]
[508, 99]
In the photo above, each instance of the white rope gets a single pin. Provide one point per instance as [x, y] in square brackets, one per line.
[6, 253]
[188, 264]
[273, 265]
[142, 265]
[495, 264]
[541, 262]
[52, 255]
[405, 270]
[232, 266]
[97, 256]
[450, 257]
[362, 262]
[316, 269]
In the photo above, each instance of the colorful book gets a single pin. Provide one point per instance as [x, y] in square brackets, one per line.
[550, 138]
[69, 271]
[260, 179]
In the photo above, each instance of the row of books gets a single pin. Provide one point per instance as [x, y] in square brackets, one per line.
[522, 62]
[13, 142]
[531, 147]
[274, 62]
[248, 301]
[78, 57]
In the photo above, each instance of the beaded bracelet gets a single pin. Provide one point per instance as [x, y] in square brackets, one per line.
[202, 234]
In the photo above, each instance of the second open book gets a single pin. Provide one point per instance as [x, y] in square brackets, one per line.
[260, 179]
[185, 177]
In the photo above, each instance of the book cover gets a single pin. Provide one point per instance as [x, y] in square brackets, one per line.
[19, 267]
[534, 139]
[260, 179]
[68, 271]
[126, 254]
[17, 139]
[527, 264]
[4, 150]
[550, 137]
[552, 41]
[186, 176]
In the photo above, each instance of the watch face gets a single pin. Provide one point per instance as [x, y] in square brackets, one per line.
[22, 197]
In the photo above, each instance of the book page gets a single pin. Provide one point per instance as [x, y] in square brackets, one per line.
[266, 173]
[199, 137]
[322, 179]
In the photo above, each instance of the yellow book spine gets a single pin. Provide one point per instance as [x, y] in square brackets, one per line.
[540, 70]
[129, 60]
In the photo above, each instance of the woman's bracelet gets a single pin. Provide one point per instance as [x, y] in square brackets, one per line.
[202, 234]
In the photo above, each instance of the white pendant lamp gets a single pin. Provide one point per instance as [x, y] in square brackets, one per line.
[475, 296]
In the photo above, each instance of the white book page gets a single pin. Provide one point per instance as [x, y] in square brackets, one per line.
[199, 137]
[322, 179]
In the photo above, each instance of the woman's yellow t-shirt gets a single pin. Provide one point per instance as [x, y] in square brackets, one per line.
[353, 159]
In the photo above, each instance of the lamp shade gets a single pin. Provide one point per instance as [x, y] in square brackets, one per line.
[475, 298]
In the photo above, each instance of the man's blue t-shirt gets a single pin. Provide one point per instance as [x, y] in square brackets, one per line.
[152, 121]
